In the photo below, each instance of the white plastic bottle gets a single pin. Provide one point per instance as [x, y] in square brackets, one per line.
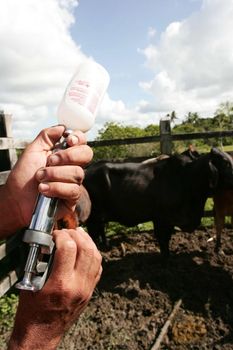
[83, 96]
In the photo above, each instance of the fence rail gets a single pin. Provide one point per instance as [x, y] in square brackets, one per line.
[8, 157]
[157, 138]
[3, 176]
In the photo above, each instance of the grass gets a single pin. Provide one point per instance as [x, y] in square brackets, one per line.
[8, 306]
[113, 228]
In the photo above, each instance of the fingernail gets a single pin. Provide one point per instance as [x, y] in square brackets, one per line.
[43, 187]
[40, 175]
[54, 159]
[73, 140]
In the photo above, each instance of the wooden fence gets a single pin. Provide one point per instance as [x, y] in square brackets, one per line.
[10, 249]
[165, 138]
[8, 158]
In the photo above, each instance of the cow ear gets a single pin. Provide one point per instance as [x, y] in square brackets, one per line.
[213, 175]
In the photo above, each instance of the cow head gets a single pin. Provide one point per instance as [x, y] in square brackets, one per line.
[221, 168]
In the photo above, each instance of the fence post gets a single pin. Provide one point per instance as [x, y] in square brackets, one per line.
[8, 157]
[165, 136]
[10, 249]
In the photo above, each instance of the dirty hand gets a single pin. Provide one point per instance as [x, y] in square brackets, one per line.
[44, 316]
[54, 175]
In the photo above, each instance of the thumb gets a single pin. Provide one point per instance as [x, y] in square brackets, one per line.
[47, 138]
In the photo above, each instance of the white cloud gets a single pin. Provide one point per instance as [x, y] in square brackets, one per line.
[116, 111]
[191, 64]
[37, 59]
[193, 61]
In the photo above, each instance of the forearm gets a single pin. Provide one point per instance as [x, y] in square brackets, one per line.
[9, 214]
[34, 336]
[34, 328]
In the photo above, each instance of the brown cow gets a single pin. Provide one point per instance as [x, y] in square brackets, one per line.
[223, 206]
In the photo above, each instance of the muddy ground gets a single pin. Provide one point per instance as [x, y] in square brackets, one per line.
[137, 294]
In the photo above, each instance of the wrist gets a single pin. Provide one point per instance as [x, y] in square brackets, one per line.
[34, 328]
[33, 336]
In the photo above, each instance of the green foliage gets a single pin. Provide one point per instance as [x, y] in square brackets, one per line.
[114, 130]
[117, 131]
[8, 305]
[113, 228]
[19, 152]
[208, 221]
[193, 122]
[222, 120]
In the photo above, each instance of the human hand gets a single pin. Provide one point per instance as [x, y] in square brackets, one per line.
[54, 175]
[44, 316]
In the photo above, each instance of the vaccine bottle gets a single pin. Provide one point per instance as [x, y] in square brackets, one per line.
[83, 96]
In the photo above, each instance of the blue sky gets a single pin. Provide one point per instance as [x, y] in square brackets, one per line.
[162, 55]
[113, 31]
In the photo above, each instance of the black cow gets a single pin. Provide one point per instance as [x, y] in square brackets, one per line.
[191, 152]
[170, 192]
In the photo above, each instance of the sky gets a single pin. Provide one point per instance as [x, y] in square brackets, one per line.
[161, 55]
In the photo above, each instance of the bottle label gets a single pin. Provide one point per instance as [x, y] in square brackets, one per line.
[82, 93]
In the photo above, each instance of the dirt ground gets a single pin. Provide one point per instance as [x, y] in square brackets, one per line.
[137, 293]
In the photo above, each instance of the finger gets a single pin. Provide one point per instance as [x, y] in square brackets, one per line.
[47, 138]
[79, 155]
[65, 254]
[99, 274]
[77, 137]
[89, 259]
[60, 190]
[68, 174]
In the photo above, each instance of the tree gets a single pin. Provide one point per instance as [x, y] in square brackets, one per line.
[224, 115]
[173, 117]
[192, 118]
[151, 130]
[222, 120]
[112, 130]
[118, 131]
